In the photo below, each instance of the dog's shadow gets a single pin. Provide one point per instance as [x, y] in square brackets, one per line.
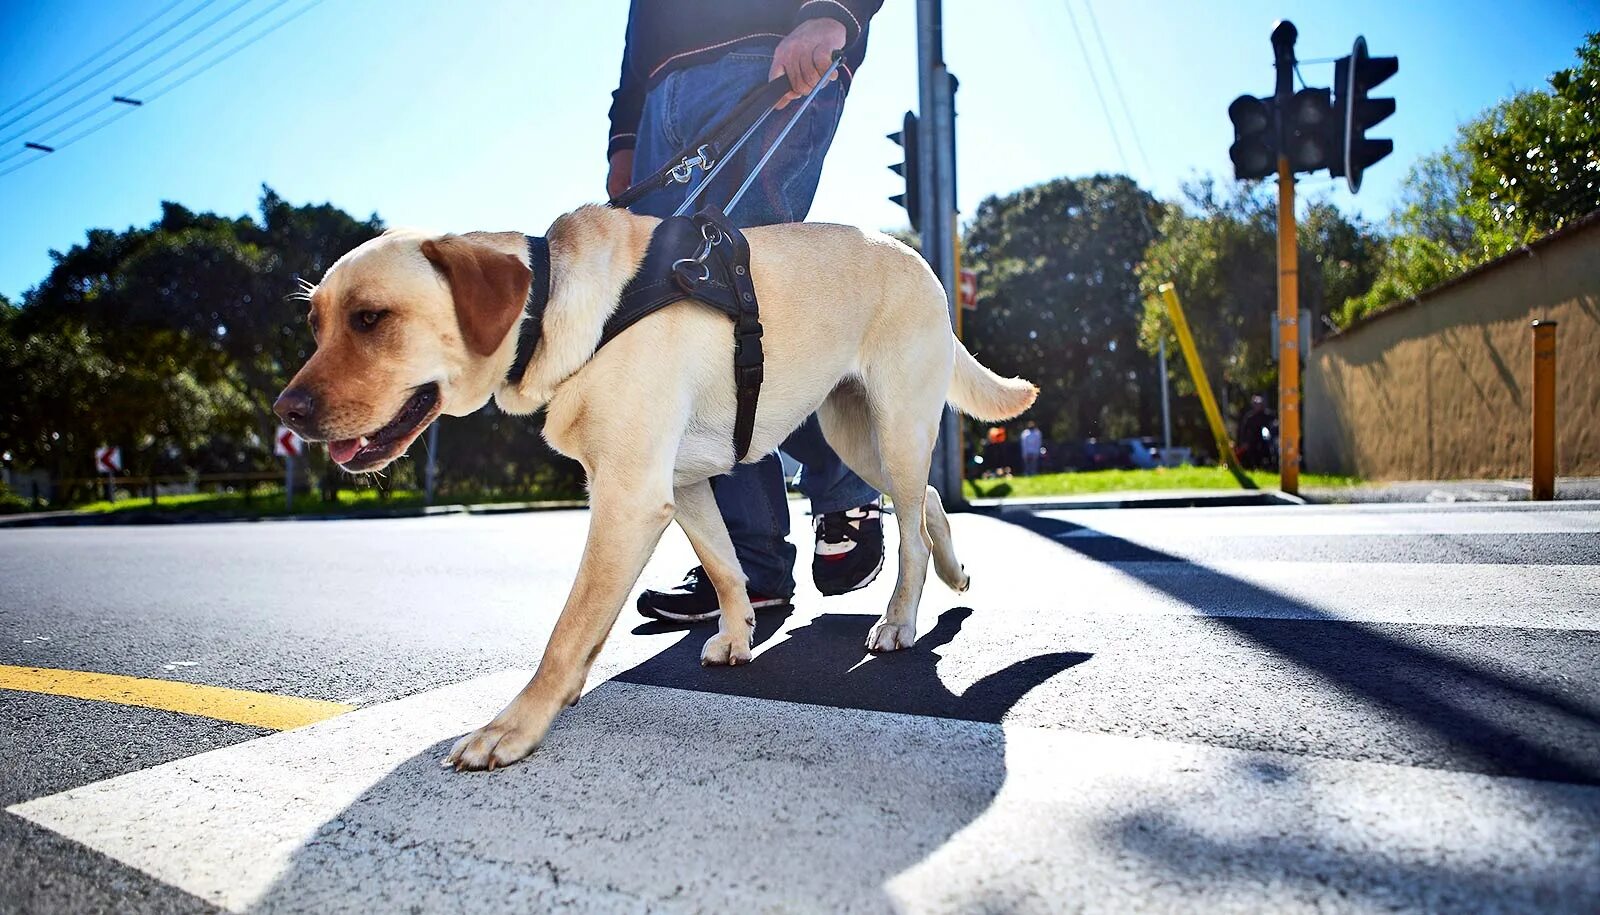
[824, 663]
[672, 787]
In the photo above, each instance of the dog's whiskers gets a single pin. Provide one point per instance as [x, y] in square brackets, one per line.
[303, 294]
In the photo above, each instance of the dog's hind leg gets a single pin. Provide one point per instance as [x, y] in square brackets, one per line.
[628, 510]
[936, 528]
[905, 434]
[702, 522]
[848, 426]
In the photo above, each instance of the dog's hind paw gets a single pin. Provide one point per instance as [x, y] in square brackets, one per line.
[887, 636]
[725, 650]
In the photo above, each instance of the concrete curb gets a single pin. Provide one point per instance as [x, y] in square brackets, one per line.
[94, 519]
[1180, 498]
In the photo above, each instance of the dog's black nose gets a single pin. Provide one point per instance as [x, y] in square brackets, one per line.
[294, 407]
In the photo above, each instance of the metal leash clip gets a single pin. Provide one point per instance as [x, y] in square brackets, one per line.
[688, 281]
[683, 171]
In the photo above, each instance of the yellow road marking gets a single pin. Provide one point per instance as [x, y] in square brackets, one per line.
[263, 710]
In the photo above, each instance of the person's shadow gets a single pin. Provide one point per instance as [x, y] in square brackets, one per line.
[672, 787]
[824, 663]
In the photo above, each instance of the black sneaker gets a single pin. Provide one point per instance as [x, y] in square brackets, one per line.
[849, 551]
[695, 599]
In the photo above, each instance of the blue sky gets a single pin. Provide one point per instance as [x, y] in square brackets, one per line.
[491, 114]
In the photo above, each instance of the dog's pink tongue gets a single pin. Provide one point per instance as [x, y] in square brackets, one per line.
[342, 451]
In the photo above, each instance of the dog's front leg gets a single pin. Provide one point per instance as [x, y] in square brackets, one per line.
[627, 514]
[708, 534]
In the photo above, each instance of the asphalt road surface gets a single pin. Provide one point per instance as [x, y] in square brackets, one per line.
[1340, 708]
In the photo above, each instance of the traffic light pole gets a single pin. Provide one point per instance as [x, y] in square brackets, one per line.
[1288, 335]
[937, 225]
[1283, 38]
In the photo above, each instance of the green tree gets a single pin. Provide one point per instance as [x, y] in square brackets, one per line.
[1519, 170]
[170, 340]
[1059, 303]
[173, 339]
[1219, 248]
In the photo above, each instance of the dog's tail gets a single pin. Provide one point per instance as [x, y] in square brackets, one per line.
[981, 394]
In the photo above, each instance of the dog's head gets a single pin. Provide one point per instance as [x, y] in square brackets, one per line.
[405, 325]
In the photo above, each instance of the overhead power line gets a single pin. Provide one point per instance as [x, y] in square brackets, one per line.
[103, 68]
[1105, 109]
[91, 58]
[112, 84]
[1094, 80]
[130, 94]
[1116, 85]
[127, 110]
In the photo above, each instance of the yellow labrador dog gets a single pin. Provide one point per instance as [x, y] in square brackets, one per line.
[409, 326]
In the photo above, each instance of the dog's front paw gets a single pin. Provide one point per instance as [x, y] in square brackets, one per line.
[498, 743]
[888, 636]
[730, 649]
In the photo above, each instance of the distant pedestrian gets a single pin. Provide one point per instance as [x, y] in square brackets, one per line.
[1256, 436]
[1032, 447]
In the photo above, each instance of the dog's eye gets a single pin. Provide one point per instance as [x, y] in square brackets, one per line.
[367, 320]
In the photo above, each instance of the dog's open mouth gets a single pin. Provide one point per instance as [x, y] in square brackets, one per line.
[373, 450]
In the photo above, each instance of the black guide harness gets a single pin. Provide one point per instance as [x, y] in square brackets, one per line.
[703, 257]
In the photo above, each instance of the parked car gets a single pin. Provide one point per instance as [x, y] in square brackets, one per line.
[1142, 452]
[1102, 455]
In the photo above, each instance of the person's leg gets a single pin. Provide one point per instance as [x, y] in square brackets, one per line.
[824, 478]
[784, 192]
[752, 497]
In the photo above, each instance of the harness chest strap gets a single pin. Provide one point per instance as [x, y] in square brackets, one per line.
[724, 283]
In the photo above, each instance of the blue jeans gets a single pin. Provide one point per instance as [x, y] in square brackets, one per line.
[752, 498]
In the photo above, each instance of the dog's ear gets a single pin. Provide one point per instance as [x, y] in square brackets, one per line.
[490, 288]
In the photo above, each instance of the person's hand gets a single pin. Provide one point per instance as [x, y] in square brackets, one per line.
[805, 55]
[621, 174]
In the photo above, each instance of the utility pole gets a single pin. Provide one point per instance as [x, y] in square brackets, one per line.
[937, 223]
[1166, 400]
[430, 470]
[1283, 38]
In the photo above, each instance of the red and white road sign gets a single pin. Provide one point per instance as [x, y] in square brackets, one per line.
[287, 444]
[107, 459]
[967, 292]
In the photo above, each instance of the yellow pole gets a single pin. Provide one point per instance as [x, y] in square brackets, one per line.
[1288, 334]
[1208, 401]
[1544, 410]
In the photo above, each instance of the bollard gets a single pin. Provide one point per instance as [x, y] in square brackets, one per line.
[1544, 410]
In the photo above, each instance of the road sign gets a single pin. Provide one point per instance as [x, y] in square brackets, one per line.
[107, 459]
[287, 444]
[969, 289]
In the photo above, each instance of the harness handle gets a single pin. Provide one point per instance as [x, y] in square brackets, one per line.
[714, 150]
[749, 111]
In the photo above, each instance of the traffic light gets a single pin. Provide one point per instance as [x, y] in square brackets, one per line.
[1355, 113]
[911, 199]
[1310, 138]
[1255, 137]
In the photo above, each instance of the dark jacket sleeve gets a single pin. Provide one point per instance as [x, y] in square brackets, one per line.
[854, 14]
[627, 103]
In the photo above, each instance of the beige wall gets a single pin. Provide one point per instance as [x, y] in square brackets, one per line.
[1441, 388]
